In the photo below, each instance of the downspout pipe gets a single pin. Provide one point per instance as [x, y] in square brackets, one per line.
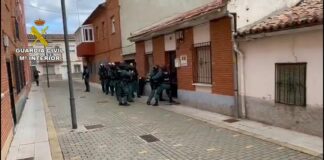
[238, 107]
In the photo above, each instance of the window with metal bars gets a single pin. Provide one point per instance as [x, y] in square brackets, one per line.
[291, 83]
[19, 74]
[17, 29]
[202, 63]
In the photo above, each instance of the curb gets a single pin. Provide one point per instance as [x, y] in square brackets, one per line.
[55, 148]
[284, 144]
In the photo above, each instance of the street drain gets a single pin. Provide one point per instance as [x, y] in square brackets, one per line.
[51, 106]
[231, 120]
[102, 102]
[83, 97]
[34, 90]
[94, 126]
[149, 138]
[30, 158]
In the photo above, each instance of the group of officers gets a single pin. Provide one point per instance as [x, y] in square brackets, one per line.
[122, 80]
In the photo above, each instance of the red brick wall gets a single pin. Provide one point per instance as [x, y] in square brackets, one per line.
[6, 117]
[8, 10]
[85, 49]
[140, 59]
[107, 44]
[222, 56]
[159, 51]
[185, 74]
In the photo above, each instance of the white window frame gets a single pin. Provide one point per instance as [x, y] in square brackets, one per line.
[88, 29]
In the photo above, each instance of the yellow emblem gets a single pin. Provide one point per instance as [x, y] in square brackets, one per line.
[39, 35]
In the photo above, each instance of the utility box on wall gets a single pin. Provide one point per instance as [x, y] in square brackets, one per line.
[177, 62]
[183, 60]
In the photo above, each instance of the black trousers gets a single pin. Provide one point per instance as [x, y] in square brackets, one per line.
[103, 87]
[37, 81]
[86, 82]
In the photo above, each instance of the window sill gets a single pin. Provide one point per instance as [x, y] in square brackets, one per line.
[202, 84]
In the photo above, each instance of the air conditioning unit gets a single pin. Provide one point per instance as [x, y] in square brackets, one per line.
[5, 41]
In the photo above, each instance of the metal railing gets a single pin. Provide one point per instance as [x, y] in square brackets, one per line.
[202, 61]
[291, 83]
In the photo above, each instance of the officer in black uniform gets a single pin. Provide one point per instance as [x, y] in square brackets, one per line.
[102, 77]
[155, 81]
[122, 89]
[112, 74]
[134, 84]
[130, 80]
[85, 77]
[165, 85]
[107, 79]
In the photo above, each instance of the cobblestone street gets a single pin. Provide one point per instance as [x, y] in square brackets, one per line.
[180, 137]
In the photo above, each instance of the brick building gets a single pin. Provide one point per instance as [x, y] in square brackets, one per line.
[197, 46]
[271, 72]
[103, 36]
[15, 74]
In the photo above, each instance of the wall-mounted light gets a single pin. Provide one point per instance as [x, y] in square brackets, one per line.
[5, 41]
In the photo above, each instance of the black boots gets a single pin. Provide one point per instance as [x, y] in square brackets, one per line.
[156, 104]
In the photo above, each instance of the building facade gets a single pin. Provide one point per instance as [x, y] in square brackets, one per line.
[15, 74]
[57, 69]
[249, 76]
[103, 36]
[197, 46]
[282, 68]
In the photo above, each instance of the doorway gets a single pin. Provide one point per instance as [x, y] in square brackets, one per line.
[170, 58]
[11, 92]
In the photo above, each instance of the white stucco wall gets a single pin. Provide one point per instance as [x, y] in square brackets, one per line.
[137, 14]
[201, 33]
[170, 42]
[249, 11]
[61, 68]
[262, 54]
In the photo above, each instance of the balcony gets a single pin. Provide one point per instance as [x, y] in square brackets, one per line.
[86, 49]
[85, 41]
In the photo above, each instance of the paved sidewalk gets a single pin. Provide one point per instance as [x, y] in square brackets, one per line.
[31, 137]
[302, 142]
[113, 132]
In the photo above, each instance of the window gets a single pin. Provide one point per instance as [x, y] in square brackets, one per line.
[149, 62]
[51, 69]
[19, 74]
[291, 83]
[77, 68]
[113, 27]
[17, 29]
[97, 33]
[90, 35]
[87, 34]
[202, 63]
[103, 29]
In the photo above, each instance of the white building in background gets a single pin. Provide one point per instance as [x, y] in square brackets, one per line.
[57, 69]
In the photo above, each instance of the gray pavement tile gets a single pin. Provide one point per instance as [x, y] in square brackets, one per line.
[180, 138]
